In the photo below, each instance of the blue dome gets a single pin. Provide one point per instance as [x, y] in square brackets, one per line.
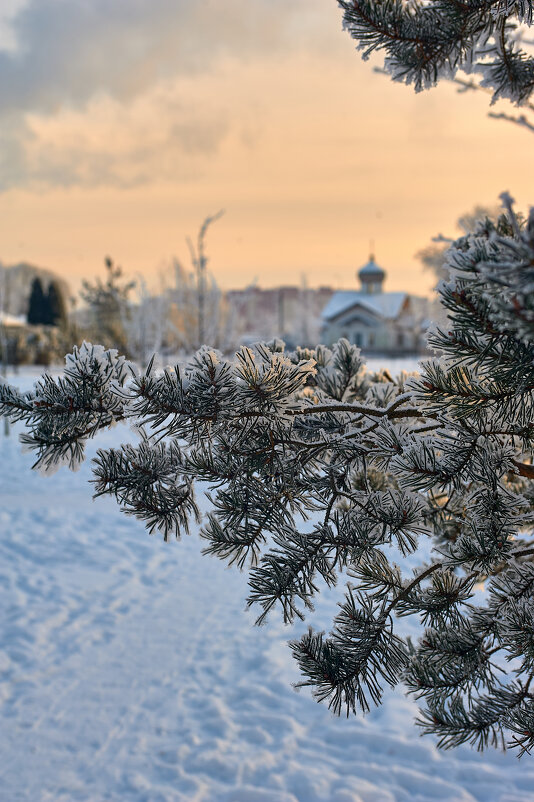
[371, 271]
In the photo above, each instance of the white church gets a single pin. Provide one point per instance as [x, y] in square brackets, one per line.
[378, 322]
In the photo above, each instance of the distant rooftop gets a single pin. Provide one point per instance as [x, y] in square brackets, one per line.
[371, 277]
[384, 304]
[12, 320]
[371, 270]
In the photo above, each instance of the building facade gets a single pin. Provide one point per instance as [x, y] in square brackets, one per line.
[378, 322]
[290, 313]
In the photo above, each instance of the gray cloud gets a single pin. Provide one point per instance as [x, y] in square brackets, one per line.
[170, 151]
[71, 51]
[68, 50]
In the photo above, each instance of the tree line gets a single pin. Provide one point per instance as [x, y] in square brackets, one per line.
[46, 308]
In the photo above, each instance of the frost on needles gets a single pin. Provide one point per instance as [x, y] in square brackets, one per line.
[426, 41]
[319, 469]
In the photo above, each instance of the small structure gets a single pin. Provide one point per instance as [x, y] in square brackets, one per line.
[290, 313]
[378, 322]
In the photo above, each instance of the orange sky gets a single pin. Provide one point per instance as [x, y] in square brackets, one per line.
[310, 152]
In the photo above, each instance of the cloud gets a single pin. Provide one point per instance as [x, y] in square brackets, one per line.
[69, 50]
[157, 137]
[72, 55]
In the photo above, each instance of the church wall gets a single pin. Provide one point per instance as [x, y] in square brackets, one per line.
[403, 335]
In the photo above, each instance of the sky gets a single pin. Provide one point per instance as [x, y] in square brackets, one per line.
[123, 125]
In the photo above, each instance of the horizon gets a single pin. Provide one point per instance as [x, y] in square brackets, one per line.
[74, 289]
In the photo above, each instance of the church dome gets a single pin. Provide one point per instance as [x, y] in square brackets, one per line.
[371, 276]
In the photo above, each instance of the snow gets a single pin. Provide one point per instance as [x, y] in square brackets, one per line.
[395, 365]
[385, 304]
[129, 670]
[12, 320]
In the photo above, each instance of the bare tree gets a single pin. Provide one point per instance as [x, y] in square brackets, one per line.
[200, 263]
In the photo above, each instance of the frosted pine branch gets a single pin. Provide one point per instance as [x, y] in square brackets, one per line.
[425, 42]
[320, 469]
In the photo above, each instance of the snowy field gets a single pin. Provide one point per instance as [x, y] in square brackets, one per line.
[129, 670]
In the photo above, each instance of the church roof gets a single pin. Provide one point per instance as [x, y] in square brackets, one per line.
[371, 270]
[386, 305]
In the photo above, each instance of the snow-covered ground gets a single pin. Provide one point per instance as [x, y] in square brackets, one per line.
[129, 670]
[395, 365]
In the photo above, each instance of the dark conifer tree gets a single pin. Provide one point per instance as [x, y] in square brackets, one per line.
[57, 309]
[38, 307]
